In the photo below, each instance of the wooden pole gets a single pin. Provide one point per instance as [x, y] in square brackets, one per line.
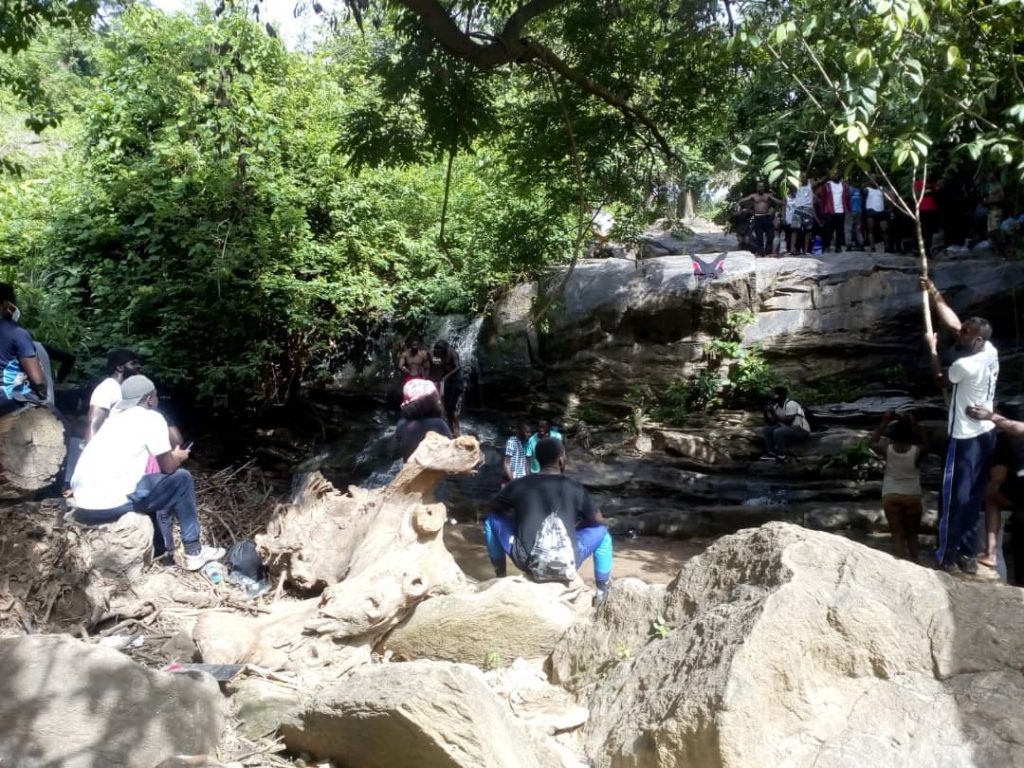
[922, 252]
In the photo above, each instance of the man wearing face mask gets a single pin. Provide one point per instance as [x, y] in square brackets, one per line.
[22, 378]
[971, 443]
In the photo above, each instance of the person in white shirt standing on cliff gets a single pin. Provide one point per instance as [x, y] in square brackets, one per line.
[971, 443]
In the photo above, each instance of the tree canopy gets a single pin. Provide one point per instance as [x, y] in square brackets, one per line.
[252, 215]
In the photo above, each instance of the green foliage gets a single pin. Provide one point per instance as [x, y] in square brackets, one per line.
[494, 659]
[887, 86]
[206, 215]
[750, 378]
[685, 397]
[857, 459]
[833, 389]
[659, 628]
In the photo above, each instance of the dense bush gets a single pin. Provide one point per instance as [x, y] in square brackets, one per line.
[207, 215]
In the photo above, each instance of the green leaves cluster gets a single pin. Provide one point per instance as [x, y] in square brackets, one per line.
[209, 214]
[897, 83]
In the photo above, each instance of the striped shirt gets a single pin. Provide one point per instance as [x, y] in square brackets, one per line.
[515, 451]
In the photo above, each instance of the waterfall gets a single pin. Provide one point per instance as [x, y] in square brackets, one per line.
[462, 332]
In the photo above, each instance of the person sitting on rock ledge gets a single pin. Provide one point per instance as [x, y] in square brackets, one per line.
[110, 479]
[787, 425]
[548, 524]
[22, 378]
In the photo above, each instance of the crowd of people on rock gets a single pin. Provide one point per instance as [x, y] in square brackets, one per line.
[128, 460]
[858, 214]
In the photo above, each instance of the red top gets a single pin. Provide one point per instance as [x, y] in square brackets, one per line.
[928, 201]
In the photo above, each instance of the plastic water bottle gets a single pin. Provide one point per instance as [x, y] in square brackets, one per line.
[214, 572]
[251, 587]
[817, 246]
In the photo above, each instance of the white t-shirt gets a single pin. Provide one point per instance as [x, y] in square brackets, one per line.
[106, 394]
[114, 461]
[792, 408]
[974, 383]
[790, 205]
[836, 188]
[875, 200]
[804, 197]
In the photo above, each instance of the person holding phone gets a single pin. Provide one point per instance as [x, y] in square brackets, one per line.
[111, 480]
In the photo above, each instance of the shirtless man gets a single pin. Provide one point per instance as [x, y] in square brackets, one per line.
[764, 219]
[414, 362]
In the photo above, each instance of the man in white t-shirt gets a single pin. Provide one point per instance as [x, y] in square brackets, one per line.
[121, 363]
[787, 425]
[971, 443]
[835, 202]
[110, 479]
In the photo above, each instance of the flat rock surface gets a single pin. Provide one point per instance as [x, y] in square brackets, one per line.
[70, 704]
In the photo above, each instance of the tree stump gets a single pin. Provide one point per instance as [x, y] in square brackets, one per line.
[375, 554]
[31, 451]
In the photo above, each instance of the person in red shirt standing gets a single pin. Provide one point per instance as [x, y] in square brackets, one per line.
[834, 197]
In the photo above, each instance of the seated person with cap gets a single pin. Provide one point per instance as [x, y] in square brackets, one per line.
[110, 479]
[548, 524]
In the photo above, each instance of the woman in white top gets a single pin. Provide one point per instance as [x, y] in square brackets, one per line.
[875, 220]
[901, 484]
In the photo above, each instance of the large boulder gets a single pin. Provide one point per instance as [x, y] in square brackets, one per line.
[423, 713]
[624, 326]
[490, 625]
[623, 627]
[65, 702]
[786, 647]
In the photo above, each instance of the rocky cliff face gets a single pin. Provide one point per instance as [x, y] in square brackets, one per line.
[624, 323]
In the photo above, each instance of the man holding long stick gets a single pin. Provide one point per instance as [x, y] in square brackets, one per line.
[971, 443]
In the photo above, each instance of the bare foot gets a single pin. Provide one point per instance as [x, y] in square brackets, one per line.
[985, 559]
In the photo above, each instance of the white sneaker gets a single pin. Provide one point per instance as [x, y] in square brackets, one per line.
[205, 555]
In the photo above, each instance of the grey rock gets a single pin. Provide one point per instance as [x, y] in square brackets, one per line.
[789, 647]
[68, 703]
[490, 625]
[425, 713]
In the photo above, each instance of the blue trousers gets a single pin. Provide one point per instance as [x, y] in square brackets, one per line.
[968, 463]
[594, 540]
[161, 497]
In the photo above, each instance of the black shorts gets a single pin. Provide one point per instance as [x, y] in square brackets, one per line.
[453, 400]
[875, 215]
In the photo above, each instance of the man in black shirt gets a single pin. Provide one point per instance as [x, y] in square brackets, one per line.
[446, 373]
[534, 514]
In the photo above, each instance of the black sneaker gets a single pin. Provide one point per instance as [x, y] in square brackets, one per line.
[967, 564]
[948, 567]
